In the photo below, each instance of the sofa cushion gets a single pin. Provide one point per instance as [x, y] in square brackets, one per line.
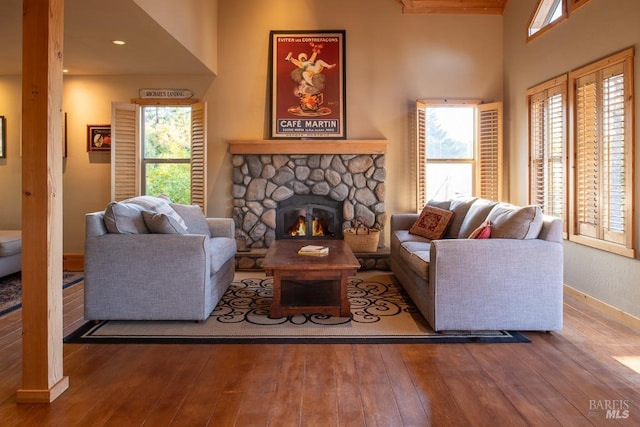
[460, 208]
[482, 232]
[193, 218]
[124, 218]
[432, 222]
[10, 242]
[416, 255]
[162, 223]
[476, 215]
[156, 204]
[221, 250]
[514, 222]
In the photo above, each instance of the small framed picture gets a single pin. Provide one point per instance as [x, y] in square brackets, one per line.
[98, 138]
[3, 137]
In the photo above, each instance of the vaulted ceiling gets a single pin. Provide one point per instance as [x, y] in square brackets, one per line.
[91, 24]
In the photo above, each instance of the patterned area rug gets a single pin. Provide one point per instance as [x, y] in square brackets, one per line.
[380, 313]
[11, 289]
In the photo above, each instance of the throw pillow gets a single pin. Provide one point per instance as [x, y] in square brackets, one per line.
[513, 222]
[432, 223]
[162, 224]
[156, 204]
[124, 218]
[193, 217]
[482, 232]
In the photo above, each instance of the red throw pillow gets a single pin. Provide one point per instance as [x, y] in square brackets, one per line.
[482, 232]
[432, 223]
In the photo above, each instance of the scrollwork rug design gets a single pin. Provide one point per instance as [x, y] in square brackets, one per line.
[381, 312]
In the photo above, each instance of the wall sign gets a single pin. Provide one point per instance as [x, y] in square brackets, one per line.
[166, 93]
[307, 84]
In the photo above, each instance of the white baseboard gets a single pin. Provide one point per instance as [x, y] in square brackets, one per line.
[619, 315]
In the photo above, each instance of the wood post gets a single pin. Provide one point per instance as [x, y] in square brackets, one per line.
[42, 327]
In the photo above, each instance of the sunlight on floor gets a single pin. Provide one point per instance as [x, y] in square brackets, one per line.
[632, 362]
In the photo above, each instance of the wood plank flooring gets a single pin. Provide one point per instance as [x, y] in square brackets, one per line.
[566, 378]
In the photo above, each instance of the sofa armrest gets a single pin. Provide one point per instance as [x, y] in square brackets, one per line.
[166, 259]
[477, 280]
[403, 221]
[221, 227]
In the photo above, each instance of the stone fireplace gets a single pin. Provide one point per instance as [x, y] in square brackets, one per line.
[277, 182]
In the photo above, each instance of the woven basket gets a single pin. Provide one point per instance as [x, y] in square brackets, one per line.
[361, 239]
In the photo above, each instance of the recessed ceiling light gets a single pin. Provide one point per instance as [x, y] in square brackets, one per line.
[65, 70]
[118, 42]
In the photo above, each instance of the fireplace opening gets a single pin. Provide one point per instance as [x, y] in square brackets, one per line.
[304, 216]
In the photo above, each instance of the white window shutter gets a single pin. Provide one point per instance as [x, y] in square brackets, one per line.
[125, 151]
[199, 155]
[489, 139]
[421, 156]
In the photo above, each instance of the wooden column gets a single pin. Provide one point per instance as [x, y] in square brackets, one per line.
[42, 328]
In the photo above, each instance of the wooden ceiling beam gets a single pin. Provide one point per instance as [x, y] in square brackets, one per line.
[487, 7]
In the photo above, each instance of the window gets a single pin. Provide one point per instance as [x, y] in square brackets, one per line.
[547, 147]
[458, 149]
[547, 14]
[602, 156]
[159, 149]
[166, 152]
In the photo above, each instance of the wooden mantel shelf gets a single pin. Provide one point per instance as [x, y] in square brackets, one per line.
[315, 146]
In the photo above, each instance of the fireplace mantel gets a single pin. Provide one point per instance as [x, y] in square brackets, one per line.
[316, 146]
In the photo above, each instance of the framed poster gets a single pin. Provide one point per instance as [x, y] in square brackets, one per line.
[307, 84]
[98, 138]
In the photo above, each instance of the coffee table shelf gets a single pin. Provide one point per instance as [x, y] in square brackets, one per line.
[309, 284]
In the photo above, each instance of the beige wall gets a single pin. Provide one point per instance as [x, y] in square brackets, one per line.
[192, 22]
[11, 166]
[392, 59]
[594, 31]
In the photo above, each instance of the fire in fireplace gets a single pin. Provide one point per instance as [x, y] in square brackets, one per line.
[304, 216]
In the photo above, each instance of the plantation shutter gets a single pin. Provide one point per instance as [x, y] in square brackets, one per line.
[199, 155]
[537, 126]
[489, 158]
[613, 155]
[421, 156]
[587, 160]
[125, 152]
[547, 139]
[603, 154]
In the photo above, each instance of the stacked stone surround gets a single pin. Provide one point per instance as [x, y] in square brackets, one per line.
[261, 181]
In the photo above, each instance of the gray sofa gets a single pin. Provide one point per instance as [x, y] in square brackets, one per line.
[10, 252]
[461, 283]
[137, 269]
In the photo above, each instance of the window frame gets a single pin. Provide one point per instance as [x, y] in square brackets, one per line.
[126, 149]
[549, 25]
[601, 240]
[144, 160]
[542, 143]
[488, 128]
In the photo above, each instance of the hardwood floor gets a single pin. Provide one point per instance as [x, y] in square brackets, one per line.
[565, 378]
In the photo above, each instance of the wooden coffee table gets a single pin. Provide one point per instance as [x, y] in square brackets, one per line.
[309, 284]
